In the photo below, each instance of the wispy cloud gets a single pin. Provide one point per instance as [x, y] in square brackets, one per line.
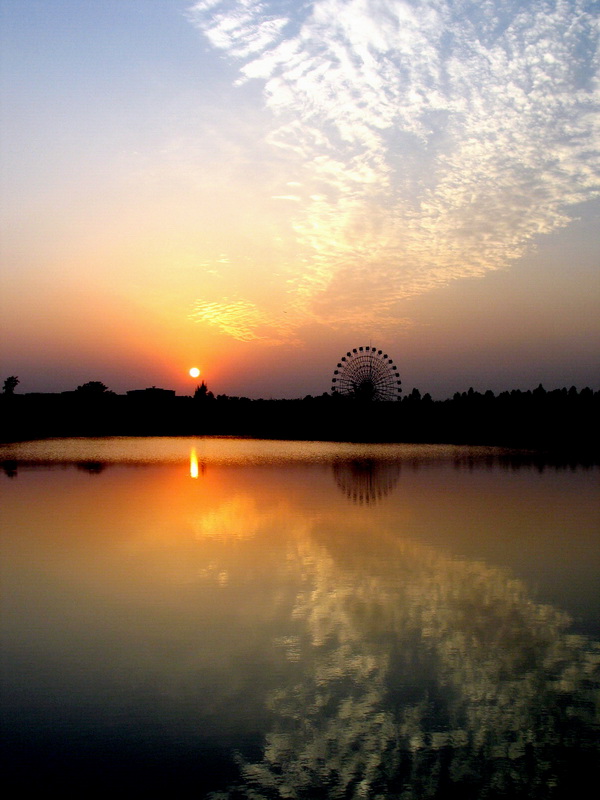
[432, 140]
[243, 320]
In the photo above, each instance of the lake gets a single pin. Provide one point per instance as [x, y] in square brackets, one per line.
[232, 618]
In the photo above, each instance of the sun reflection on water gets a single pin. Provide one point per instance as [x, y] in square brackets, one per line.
[193, 463]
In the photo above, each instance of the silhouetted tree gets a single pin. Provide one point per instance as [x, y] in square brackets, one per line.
[93, 388]
[202, 393]
[10, 384]
[414, 397]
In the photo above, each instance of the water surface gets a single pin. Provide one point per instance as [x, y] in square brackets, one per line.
[233, 618]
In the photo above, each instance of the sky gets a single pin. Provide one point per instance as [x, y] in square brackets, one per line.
[254, 188]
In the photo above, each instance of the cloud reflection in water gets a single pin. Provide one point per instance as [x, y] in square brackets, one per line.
[423, 676]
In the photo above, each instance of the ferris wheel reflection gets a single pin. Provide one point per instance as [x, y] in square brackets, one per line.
[366, 481]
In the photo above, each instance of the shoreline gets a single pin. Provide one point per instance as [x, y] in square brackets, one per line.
[562, 423]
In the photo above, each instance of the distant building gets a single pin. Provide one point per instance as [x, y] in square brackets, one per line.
[152, 393]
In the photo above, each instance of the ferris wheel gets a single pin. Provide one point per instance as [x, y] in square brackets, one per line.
[366, 373]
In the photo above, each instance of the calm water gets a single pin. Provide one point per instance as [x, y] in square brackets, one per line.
[231, 619]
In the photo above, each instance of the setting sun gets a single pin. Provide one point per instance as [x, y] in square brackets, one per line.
[194, 372]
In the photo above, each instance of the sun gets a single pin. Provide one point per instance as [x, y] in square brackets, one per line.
[194, 372]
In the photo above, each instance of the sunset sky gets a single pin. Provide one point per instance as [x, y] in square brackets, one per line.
[254, 188]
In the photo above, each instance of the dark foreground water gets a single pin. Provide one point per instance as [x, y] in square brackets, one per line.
[239, 619]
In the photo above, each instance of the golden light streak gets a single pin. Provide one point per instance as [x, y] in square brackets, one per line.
[193, 463]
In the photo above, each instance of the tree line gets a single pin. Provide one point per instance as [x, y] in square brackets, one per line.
[559, 419]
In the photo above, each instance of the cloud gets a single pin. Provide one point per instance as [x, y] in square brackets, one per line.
[433, 140]
[243, 320]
